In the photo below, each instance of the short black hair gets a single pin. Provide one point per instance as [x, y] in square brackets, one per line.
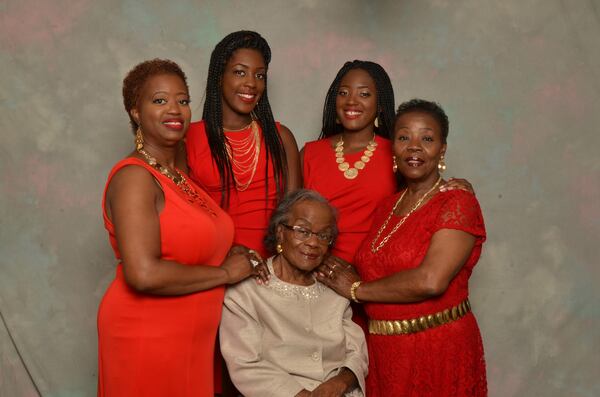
[432, 108]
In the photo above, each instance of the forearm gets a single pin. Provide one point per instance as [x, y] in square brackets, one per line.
[347, 378]
[162, 277]
[407, 286]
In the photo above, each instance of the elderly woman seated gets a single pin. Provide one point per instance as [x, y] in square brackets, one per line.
[293, 336]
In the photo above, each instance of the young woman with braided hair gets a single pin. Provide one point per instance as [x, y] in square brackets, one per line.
[351, 163]
[238, 153]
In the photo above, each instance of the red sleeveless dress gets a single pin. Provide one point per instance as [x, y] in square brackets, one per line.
[355, 199]
[250, 209]
[151, 345]
[445, 361]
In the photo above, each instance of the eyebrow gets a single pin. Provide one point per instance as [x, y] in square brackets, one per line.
[360, 86]
[165, 92]
[248, 67]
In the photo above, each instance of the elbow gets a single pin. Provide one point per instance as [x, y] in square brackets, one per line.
[433, 286]
[139, 280]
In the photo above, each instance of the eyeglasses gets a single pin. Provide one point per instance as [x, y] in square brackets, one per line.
[303, 234]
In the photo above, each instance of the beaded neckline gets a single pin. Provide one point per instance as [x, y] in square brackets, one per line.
[288, 290]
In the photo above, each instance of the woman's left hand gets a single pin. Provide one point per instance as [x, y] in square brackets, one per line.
[457, 184]
[338, 275]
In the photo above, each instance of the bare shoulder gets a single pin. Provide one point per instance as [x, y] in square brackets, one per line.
[132, 181]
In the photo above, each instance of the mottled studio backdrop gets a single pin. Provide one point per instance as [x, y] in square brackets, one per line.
[520, 80]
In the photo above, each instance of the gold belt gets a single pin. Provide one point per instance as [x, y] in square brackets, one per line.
[410, 326]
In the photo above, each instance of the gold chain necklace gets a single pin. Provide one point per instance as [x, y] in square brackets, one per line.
[401, 221]
[344, 166]
[241, 163]
[179, 180]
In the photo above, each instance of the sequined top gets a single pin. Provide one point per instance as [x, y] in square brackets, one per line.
[281, 338]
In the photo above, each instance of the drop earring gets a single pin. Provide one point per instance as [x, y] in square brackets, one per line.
[279, 248]
[139, 139]
[442, 165]
[376, 122]
[395, 166]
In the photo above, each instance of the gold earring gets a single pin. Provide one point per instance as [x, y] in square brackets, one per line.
[442, 165]
[376, 122]
[395, 166]
[139, 139]
[279, 248]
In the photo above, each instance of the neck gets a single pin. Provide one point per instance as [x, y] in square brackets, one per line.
[235, 121]
[361, 137]
[165, 156]
[291, 274]
[417, 188]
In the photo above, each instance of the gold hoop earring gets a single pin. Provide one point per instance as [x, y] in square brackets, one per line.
[139, 139]
[394, 166]
[376, 122]
[442, 165]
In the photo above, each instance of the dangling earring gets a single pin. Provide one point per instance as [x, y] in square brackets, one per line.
[279, 248]
[139, 139]
[395, 166]
[442, 165]
[376, 122]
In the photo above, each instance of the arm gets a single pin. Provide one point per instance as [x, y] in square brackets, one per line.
[302, 165]
[294, 176]
[134, 201]
[241, 346]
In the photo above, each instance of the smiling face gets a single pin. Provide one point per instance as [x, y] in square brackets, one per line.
[243, 82]
[356, 101]
[162, 110]
[302, 254]
[418, 146]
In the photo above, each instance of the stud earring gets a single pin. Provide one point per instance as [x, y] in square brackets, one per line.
[279, 248]
[139, 139]
[442, 165]
[395, 166]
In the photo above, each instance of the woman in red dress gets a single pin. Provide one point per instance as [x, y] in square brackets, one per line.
[238, 153]
[350, 164]
[414, 268]
[158, 319]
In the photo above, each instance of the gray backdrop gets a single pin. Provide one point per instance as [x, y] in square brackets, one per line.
[519, 79]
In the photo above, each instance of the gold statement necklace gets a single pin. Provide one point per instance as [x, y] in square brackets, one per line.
[243, 155]
[344, 166]
[179, 180]
[375, 249]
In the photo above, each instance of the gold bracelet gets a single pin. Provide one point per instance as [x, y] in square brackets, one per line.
[353, 289]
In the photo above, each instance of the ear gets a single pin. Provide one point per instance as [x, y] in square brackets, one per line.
[135, 114]
[279, 234]
[443, 150]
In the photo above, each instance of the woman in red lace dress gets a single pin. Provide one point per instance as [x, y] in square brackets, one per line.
[414, 267]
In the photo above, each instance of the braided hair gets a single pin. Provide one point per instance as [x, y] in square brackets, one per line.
[213, 114]
[385, 99]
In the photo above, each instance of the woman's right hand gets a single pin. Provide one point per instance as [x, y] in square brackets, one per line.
[238, 268]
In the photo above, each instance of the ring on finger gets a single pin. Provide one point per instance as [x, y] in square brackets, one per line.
[330, 273]
[254, 262]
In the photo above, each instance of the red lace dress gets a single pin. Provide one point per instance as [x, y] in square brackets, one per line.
[153, 345]
[250, 209]
[443, 361]
[355, 199]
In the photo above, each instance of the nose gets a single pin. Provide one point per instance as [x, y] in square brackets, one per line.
[414, 144]
[250, 80]
[174, 107]
[352, 98]
[312, 240]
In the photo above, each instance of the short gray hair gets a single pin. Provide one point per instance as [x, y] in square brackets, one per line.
[282, 212]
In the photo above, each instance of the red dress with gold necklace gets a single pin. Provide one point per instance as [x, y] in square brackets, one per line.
[249, 206]
[355, 199]
[151, 345]
[446, 360]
